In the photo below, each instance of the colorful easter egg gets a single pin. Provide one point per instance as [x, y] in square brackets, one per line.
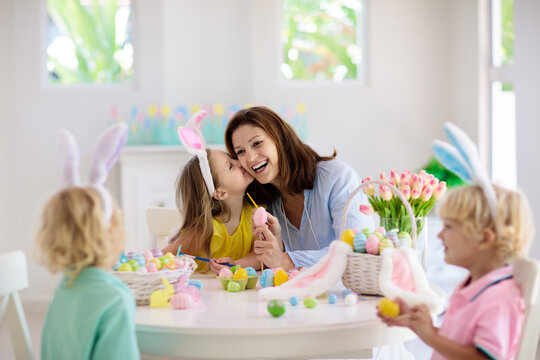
[170, 266]
[310, 302]
[280, 277]
[151, 267]
[179, 263]
[293, 273]
[157, 263]
[276, 308]
[260, 217]
[125, 267]
[234, 268]
[404, 239]
[196, 282]
[346, 292]
[267, 278]
[251, 271]
[170, 256]
[157, 253]
[378, 234]
[372, 245]
[294, 300]
[381, 230]
[164, 260]
[140, 259]
[332, 298]
[130, 255]
[386, 243]
[123, 258]
[181, 301]
[351, 299]
[393, 236]
[367, 232]
[233, 286]
[388, 307]
[348, 237]
[134, 264]
[359, 242]
[147, 255]
[225, 273]
[240, 274]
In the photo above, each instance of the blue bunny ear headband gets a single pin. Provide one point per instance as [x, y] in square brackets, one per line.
[191, 137]
[461, 157]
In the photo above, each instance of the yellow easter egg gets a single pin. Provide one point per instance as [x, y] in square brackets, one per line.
[280, 277]
[388, 307]
[348, 237]
[240, 274]
[158, 263]
[170, 256]
[378, 234]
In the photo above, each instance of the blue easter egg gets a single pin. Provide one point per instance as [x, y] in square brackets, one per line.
[267, 278]
[123, 258]
[196, 282]
[332, 298]
[294, 300]
[251, 271]
[139, 259]
[359, 242]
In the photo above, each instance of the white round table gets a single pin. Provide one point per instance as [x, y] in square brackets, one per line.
[238, 326]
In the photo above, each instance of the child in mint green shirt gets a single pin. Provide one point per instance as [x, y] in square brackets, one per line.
[92, 312]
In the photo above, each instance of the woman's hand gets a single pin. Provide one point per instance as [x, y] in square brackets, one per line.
[416, 318]
[268, 250]
[216, 264]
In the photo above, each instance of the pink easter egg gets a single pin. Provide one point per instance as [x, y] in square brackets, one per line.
[355, 230]
[293, 274]
[147, 255]
[260, 217]
[179, 263]
[181, 301]
[151, 267]
[382, 230]
[372, 245]
[225, 273]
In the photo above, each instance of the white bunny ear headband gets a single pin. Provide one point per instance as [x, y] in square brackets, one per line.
[106, 152]
[191, 137]
[461, 157]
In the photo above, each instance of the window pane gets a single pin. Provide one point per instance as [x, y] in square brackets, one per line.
[503, 32]
[503, 113]
[321, 39]
[89, 41]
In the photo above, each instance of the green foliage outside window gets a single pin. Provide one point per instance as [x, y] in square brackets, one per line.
[88, 41]
[320, 39]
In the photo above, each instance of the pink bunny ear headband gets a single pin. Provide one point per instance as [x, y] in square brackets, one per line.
[106, 152]
[461, 157]
[191, 137]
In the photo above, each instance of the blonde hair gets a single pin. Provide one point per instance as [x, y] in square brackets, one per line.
[199, 207]
[74, 233]
[513, 226]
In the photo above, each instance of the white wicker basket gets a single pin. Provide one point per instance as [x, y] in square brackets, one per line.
[143, 284]
[361, 274]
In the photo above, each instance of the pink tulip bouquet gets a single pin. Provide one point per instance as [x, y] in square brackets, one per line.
[422, 190]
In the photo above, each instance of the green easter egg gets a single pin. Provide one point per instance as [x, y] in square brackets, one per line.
[134, 264]
[233, 286]
[276, 308]
[234, 268]
[310, 302]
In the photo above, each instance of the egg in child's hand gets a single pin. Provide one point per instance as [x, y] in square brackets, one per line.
[388, 307]
[260, 217]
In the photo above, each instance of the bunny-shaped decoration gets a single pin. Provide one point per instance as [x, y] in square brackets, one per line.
[106, 152]
[191, 137]
[461, 157]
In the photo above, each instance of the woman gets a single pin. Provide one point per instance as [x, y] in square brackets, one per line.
[306, 193]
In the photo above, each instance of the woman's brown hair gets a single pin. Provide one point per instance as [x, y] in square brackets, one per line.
[297, 161]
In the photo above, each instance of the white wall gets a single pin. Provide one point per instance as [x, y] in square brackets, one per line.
[387, 123]
[527, 88]
[390, 121]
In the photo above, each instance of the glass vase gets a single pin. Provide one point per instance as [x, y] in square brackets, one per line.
[404, 224]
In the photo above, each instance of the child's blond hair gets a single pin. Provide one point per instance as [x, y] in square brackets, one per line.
[74, 233]
[513, 226]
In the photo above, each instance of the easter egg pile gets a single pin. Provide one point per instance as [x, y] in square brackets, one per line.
[238, 278]
[374, 243]
[149, 261]
[276, 277]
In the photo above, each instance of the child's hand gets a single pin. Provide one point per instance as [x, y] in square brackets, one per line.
[216, 264]
[416, 318]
